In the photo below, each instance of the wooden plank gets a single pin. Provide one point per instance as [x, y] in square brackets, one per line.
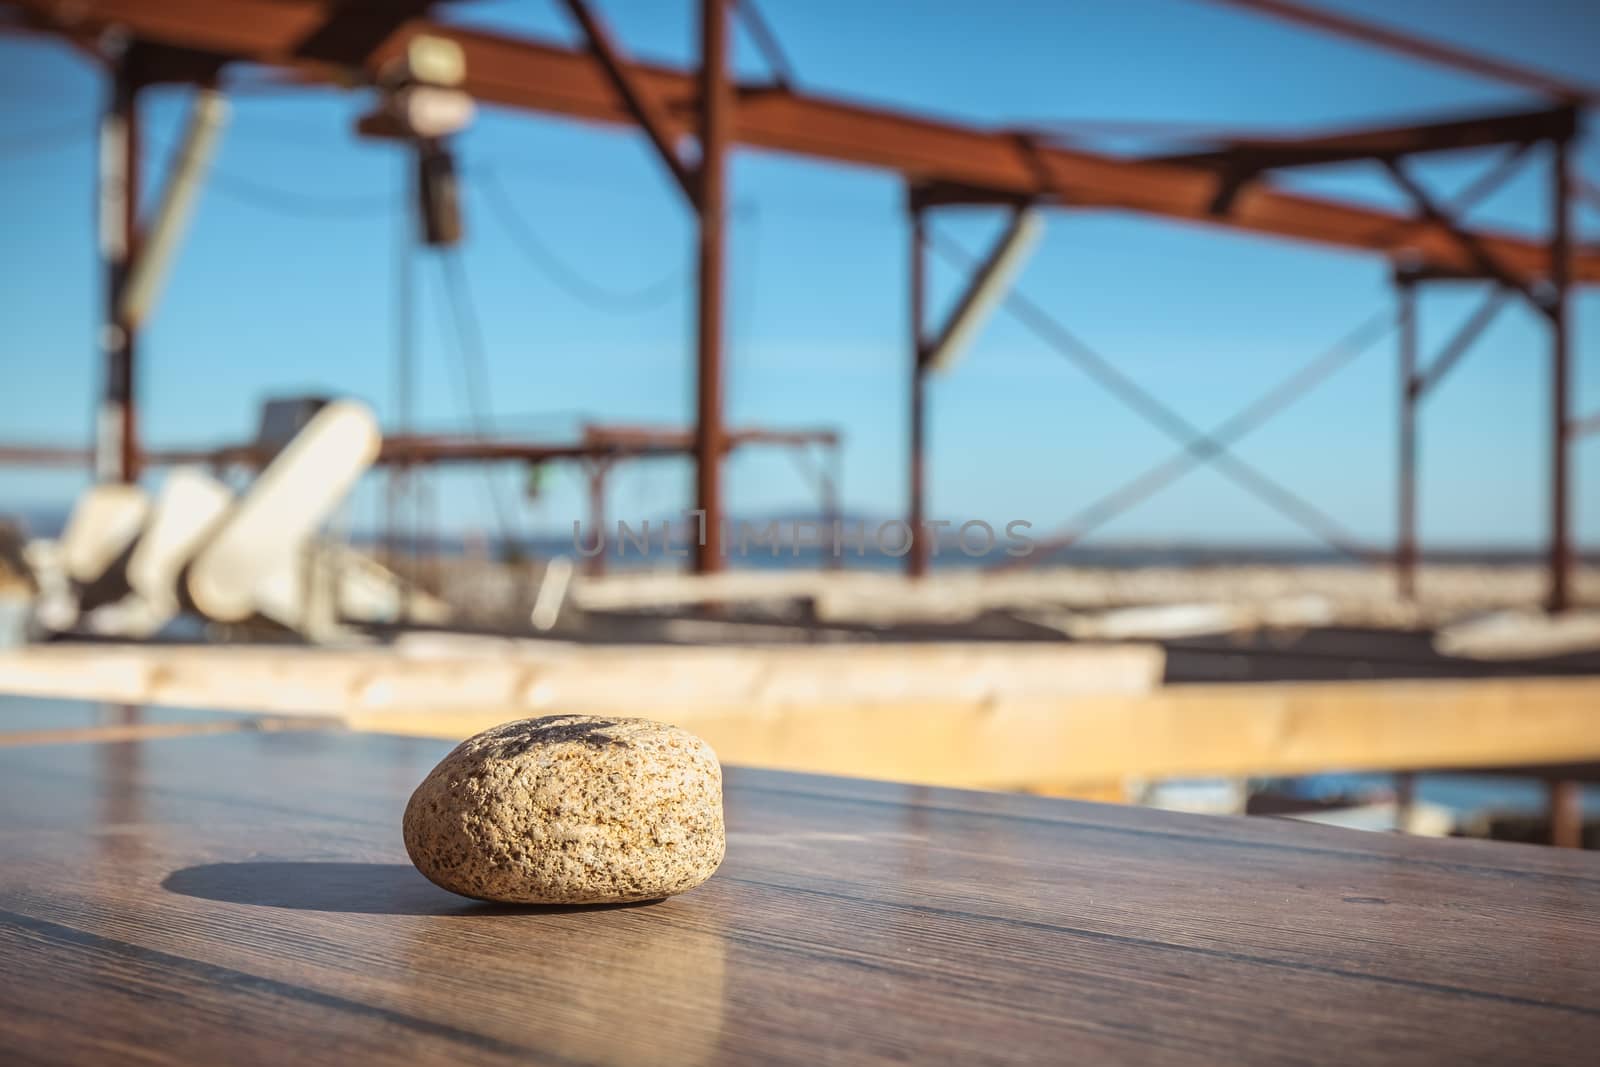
[535, 75]
[247, 898]
[1089, 740]
[472, 676]
[984, 716]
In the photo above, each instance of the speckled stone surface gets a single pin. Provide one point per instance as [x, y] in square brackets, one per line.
[570, 809]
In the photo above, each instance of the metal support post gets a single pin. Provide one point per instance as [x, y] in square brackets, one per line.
[1405, 553]
[1565, 809]
[716, 115]
[598, 469]
[116, 439]
[917, 559]
[1559, 598]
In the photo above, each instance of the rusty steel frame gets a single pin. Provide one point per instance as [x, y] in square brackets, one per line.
[533, 75]
[319, 44]
[1415, 383]
[1551, 302]
[919, 200]
[641, 104]
[716, 136]
[1482, 258]
[1238, 163]
[704, 186]
[599, 450]
[1559, 597]
[598, 441]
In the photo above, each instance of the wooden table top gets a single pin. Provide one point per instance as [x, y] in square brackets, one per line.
[245, 897]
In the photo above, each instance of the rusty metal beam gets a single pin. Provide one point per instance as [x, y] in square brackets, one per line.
[416, 449]
[597, 443]
[1481, 257]
[1405, 548]
[645, 109]
[356, 27]
[543, 77]
[613, 435]
[1387, 142]
[1415, 47]
[1237, 164]
[916, 449]
[26, 455]
[716, 137]
[1557, 310]
[1585, 426]
[929, 194]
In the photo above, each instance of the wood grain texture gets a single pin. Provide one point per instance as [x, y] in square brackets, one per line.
[27, 721]
[999, 716]
[245, 898]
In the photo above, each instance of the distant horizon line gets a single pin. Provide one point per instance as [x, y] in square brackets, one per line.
[55, 516]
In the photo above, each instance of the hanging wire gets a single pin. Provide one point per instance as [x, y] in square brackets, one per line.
[319, 206]
[474, 377]
[402, 485]
[1153, 410]
[594, 294]
[293, 203]
[29, 143]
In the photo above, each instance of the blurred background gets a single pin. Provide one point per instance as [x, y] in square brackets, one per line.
[1247, 425]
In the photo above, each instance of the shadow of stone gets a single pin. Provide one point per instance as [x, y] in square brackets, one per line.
[352, 888]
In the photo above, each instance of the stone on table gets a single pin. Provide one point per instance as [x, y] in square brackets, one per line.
[570, 809]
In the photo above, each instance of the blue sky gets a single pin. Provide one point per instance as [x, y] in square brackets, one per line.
[287, 280]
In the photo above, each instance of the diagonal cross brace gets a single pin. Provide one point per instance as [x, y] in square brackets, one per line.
[1194, 440]
[987, 284]
[1457, 346]
[645, 108]
[1213, 447]
[1485, 260]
